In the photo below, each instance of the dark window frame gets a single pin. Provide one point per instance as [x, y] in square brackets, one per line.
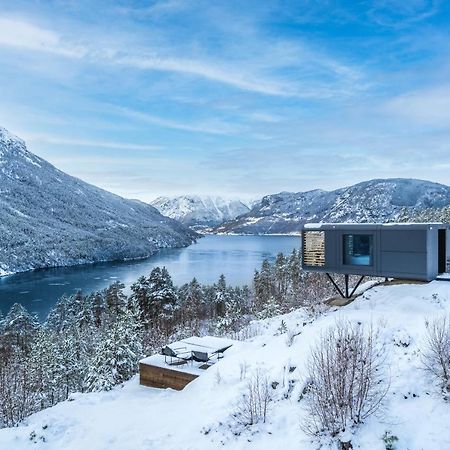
[346, 255]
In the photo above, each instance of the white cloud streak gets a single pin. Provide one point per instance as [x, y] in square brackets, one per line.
[65, 141]
[211, 127]
[241, 74]
[27, 36]
[429, 106]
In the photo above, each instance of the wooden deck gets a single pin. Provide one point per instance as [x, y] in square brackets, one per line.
[174, 372]
[164, 377]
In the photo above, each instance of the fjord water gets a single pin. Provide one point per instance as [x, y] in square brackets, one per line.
[236, 257]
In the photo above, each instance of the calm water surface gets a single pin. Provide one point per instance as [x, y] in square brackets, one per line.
[235, 256]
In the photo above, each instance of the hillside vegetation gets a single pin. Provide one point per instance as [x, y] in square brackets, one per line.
[48, 218]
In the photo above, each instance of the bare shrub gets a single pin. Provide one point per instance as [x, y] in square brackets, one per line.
[347, 381]
[436, 352]
[250, 331]
[243, 366]
[254, 404]
[290, 336]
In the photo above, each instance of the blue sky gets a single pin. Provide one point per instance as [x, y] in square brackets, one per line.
[237, 98]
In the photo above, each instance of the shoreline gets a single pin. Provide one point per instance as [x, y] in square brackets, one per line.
[5, 274]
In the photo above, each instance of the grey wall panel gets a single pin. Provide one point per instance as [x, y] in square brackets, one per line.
[330, 248]
[403, 240]
[448, 249]
[432, 253]
[404, 262]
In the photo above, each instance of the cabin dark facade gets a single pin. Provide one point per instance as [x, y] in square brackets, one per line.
[406, 251]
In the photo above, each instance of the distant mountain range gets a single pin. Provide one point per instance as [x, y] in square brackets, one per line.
[381, 200]
[199, 212]
[49, 218]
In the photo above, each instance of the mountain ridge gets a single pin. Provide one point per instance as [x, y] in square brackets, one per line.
[49, 218]
[198, 211]
[377, 200]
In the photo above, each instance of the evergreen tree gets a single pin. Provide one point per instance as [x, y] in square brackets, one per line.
[141, 296]
[20, 326]
[220, 299]
[98, 306]
[163, 297]
[117, 355]
[192, 304]
[115, 300]
[264, 286]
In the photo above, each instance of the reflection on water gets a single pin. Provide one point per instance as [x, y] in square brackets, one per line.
[235, 256]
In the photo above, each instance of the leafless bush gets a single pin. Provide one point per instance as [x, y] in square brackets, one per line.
[290, 336]
[243, 366]
[347, 381]
[248, 332]
[254, 404]
[436, 352]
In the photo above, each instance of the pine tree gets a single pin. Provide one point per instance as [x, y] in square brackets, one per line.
[141, 296]
[264, 285]
[232, 314]
[115, 300]
[163, 297]
[20, 326]
[98, 306]
[192, 304]
[294, 269]
[220, 297]
[117, 355]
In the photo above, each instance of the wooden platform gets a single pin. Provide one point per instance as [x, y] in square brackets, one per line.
[164, 377]
[171, 372]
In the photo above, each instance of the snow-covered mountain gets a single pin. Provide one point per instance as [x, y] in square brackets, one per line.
[379, 200]
[200, 211]
[49, 218]
[204, 415]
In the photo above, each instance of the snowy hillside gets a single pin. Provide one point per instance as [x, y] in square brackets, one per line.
[201, 417]
[370, 201]
[48, 218]
[200, 211]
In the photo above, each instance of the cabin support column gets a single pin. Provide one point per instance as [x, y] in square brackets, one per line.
[346, 280]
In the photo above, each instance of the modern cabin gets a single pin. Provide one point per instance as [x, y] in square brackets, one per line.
[416, 251]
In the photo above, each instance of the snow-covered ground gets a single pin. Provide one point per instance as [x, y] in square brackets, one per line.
[200, 416]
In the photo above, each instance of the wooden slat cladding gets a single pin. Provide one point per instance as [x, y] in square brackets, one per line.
[314, 248]
[160, 377]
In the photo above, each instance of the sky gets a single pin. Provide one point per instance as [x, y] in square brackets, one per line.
[233, 98]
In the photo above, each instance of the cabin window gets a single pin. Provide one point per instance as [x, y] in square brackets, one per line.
[358, 249]
[314, 248]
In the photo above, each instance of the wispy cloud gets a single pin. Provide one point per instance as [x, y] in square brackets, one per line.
[21, 34]
[209, 126]
[75, 142]
[241, 73]
[400, 13]
[426, 107]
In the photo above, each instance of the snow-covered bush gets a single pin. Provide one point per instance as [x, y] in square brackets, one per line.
[436, 352]
[389, 440]
[401, 338]
[347, 380]
[290, 336]
[254, 403]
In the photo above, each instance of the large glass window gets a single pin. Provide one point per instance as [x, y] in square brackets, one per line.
[358, 249]
[314, 248]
